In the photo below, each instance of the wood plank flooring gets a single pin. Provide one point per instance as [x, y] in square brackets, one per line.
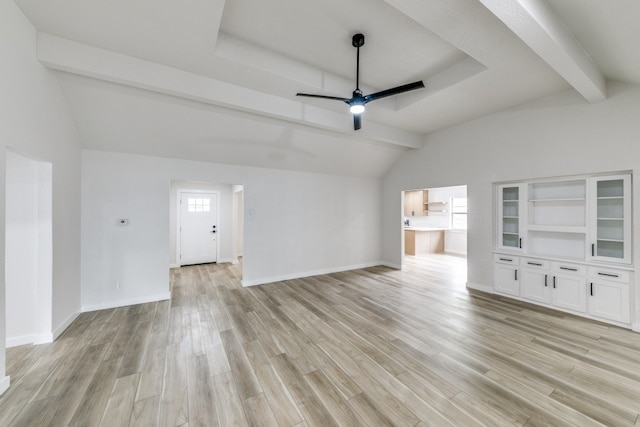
[372, 347]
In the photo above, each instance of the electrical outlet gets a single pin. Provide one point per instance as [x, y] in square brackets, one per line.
[483, 273]
[118, 284]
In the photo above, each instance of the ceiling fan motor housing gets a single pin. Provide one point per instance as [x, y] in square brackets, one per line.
[357, 40]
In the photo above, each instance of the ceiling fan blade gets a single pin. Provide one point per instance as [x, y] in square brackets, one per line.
[394, 91]
[324, 97]
[357, 121]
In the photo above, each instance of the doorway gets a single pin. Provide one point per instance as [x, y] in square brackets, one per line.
[434, 232]
[28, 251]
[227, 218]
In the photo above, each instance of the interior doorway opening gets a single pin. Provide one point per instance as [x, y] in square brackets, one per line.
[227, 230]
[434, 232]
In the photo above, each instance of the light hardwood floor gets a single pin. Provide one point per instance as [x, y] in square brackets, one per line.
[372, 347]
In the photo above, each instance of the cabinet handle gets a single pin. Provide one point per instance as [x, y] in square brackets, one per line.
[516, 274]
[546, 276]
[506, 259]
[593, 249]
[554, 282]
[520, 242]
[568, 269]
[608, 274]
[591, 288]
[534, 263]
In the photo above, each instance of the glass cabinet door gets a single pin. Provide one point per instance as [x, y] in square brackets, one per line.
[611, 219]
[510, 216]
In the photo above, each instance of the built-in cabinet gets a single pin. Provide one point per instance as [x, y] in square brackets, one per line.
[566, 244]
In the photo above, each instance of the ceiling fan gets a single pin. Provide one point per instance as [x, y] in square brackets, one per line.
[358, 100]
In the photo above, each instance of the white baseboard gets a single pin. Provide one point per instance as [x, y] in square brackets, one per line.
[21, 340]
[391, 265]
[45, 338]
[455, 252]
[174, 266]
[64, 325]
[126, 302]
[225, 260]
[635, 327]
[255, 282]
[479, 287]
[4, 384]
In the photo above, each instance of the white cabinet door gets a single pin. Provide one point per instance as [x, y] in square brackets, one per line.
[511, 217]
[505, 279]
[609, 300]
[534, 280]
[569, 292]
[609, 293]
[534, 285]
[611, 218]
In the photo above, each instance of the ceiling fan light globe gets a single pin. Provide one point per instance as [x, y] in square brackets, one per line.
[357, 108]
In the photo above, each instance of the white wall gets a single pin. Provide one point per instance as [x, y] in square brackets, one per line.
[21, 245]
[296, 223]
[556, 136]
[35, 121]
[225, 221]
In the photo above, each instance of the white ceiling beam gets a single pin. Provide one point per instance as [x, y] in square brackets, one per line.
[541, 29]
[81, 59]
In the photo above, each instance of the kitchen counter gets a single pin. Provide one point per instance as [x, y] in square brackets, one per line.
[411, 228]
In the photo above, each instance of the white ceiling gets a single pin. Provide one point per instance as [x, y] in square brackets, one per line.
[216, 80]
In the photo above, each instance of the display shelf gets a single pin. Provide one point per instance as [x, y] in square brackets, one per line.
[559, 228]
[569, 199]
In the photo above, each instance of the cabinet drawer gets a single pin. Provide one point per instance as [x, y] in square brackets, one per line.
[610, 274]
[505, 259]
[569, 268]
[542, 264]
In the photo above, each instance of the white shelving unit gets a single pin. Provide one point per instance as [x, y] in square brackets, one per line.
[568, 241]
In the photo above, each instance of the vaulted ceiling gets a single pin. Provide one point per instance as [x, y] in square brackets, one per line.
[215, 80]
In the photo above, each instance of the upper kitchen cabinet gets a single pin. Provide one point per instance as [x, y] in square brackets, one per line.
[611, 218]
[414, 202]
[510, 216]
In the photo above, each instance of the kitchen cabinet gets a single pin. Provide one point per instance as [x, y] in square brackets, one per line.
[414, 203]
[423, 241]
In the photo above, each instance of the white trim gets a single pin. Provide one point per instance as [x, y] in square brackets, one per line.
[635, 327]
[391, 265]
[255, 282]
[4, 384]
[227, 260]
[64, 325]
[43, 339]
[173, 266]
[124, 303]
[179, 193]
[21, 340]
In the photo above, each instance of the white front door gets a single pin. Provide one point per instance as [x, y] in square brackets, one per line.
[198, 228]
